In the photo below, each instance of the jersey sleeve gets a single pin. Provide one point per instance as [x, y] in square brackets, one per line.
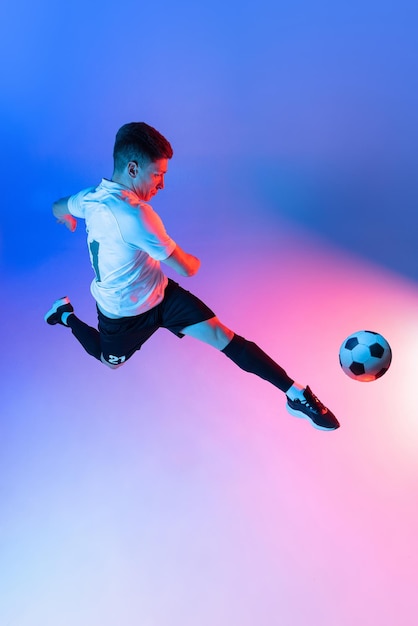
[143, 228]
[75, 203]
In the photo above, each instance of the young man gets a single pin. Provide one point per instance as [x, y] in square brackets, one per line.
[127, 242]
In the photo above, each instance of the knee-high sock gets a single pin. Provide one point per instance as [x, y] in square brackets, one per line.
[88, 337]
[249, 357]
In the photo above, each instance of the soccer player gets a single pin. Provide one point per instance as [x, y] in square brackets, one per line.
[127, 243]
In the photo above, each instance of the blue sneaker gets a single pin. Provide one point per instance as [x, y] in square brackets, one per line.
[63, 305]
[310, 407]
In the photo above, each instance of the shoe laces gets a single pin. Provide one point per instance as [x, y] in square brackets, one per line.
[313, 402]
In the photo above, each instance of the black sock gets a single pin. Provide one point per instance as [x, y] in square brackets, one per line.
[88, 337]
[249, 357]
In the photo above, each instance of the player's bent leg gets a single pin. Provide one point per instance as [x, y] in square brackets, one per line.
[211, 331]
[62, 312]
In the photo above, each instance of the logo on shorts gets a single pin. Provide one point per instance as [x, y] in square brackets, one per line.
[115, 360]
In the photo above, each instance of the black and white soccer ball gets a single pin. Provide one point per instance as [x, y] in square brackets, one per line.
[365, 355]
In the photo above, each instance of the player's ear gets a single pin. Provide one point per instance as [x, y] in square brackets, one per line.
[133, 169]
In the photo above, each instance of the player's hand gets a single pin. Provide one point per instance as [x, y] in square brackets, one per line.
[69, 221]
[194, 264]
[182, 262]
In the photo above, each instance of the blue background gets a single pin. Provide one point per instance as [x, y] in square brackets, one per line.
[311, 104]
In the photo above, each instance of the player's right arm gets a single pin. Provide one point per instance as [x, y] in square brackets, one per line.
[182, 262]
[63, 215]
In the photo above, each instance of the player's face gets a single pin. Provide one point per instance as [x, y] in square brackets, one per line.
[149, 179]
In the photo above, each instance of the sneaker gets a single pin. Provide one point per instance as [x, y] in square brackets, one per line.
[63, 305]
[310, 407]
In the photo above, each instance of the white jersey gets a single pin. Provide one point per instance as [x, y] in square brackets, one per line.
[126, 240]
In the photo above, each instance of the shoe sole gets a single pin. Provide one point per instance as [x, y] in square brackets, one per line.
[55, 307]
[304, 416]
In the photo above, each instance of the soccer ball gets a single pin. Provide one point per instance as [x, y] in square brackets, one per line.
[365, 356]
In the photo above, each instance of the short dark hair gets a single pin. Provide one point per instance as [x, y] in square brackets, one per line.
[138, 141]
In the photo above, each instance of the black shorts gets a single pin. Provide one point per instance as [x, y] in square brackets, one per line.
[123, 336]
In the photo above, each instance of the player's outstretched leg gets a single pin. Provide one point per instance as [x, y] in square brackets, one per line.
[301, 402]
[309, 406]
[62, 312]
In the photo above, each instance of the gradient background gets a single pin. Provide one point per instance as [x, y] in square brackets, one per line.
[177, 490]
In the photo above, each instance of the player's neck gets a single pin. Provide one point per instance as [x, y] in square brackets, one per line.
[121, 179]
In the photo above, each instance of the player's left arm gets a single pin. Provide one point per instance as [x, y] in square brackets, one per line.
[182, 262]
[63, 215]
